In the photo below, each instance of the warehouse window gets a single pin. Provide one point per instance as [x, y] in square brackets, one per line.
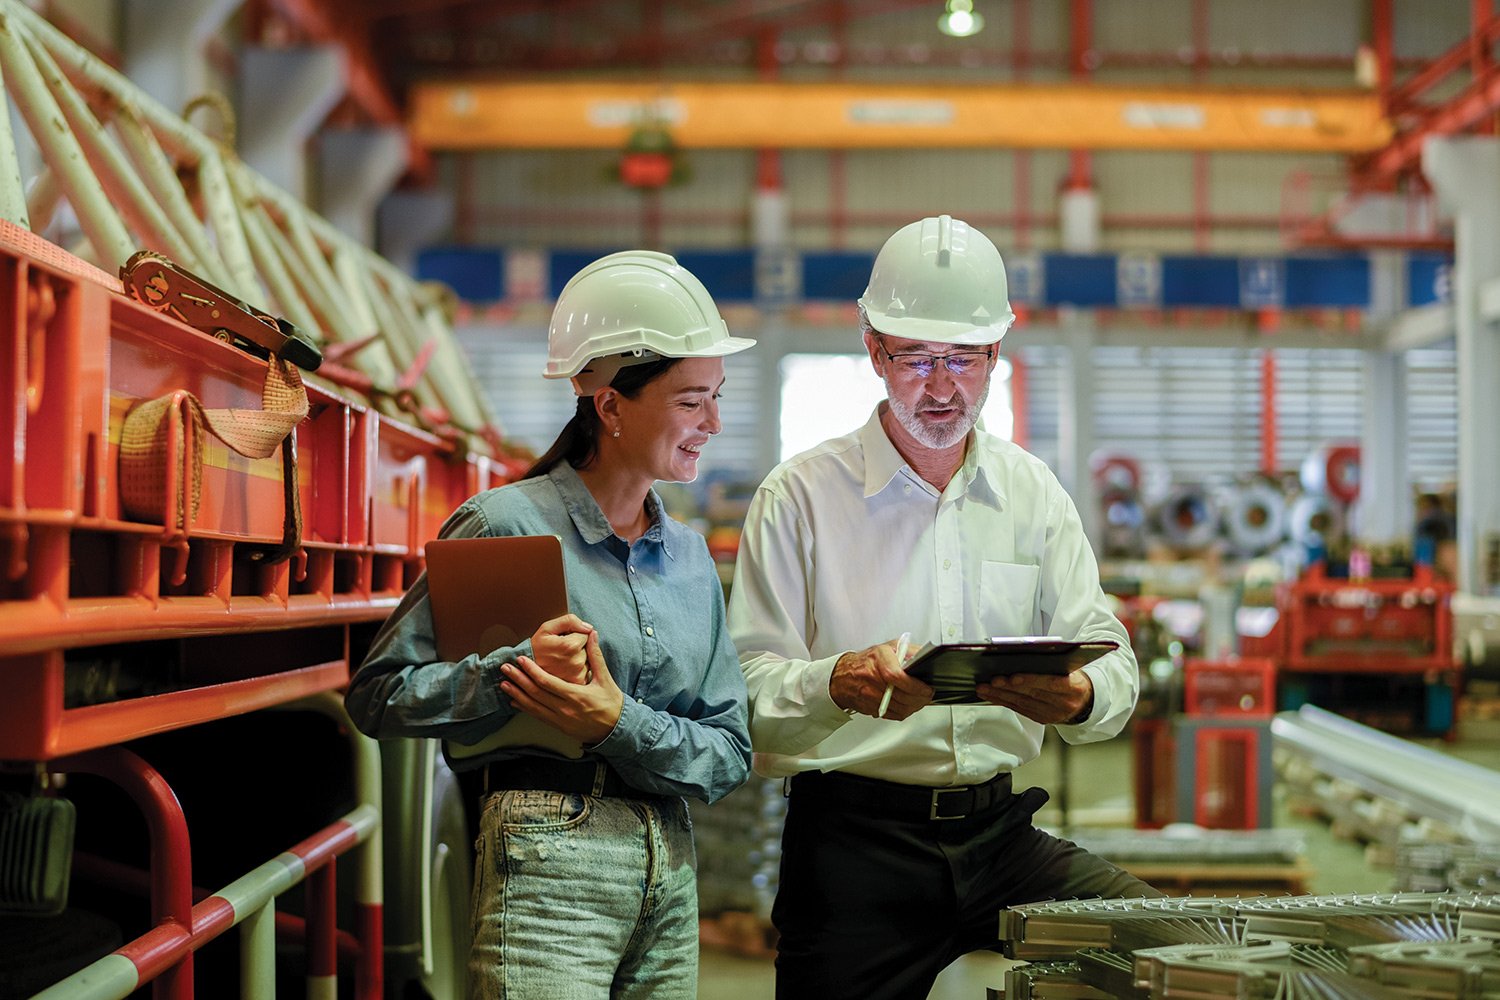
[826, 395]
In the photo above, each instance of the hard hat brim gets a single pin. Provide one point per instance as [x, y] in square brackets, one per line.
[938, 331]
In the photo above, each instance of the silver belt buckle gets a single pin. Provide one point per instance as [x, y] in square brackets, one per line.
[937, 793]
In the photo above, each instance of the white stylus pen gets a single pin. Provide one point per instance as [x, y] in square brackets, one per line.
[885, 699]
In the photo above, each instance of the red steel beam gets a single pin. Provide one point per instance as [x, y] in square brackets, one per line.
[1382, 41]
[1080, 46]
[1468, 109]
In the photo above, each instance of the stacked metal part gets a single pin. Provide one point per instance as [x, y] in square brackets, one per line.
[1436, 867]
[1313, 946]
[1388, 789]
[1195, 845]
[739, 849]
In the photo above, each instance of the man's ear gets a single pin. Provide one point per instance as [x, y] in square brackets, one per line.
[877, 357]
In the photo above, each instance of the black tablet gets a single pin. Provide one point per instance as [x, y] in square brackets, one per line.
[955, 669]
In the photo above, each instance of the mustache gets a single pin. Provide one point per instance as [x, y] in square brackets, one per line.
[927, 403]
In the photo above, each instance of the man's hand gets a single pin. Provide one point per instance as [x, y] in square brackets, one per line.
[1044, 698]
[585, 711]
[859, 681]
[558, 647]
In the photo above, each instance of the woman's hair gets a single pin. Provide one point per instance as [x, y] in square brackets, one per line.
[579, 441]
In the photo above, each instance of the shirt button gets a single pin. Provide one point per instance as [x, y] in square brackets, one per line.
[648, 630]
[947, 564]
[632, 569]
[906, 489]
[951, 630]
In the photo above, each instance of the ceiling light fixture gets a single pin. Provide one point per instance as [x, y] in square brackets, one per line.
[959, 19]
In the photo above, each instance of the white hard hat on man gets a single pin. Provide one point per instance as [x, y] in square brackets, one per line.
[939, 280]
[630, 308]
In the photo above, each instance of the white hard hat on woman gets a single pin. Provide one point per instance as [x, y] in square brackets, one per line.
[630, 308]
[938, 280]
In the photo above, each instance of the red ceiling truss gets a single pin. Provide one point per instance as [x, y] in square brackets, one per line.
[391, 43]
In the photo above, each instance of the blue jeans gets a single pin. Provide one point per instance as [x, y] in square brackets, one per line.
[580, 898]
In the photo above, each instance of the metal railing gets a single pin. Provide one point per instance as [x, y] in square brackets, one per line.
[164, 954]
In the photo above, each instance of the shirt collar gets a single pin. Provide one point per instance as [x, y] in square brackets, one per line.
[883, 463]
[593, 527]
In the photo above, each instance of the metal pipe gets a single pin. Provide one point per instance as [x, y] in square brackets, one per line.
[1465, 796]
[171, 853]
[111, 169]
[223, 212]
[45, 120]
[43, 199]
[12, 192]
[161, 177]
[272, 267]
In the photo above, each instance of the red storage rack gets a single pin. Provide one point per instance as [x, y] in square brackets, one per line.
[1368, 626]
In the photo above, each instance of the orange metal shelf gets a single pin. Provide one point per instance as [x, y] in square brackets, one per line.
[35, 725]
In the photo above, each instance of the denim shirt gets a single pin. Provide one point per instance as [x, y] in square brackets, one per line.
[658, 608]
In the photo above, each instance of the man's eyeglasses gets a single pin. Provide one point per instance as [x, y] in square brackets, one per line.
[923, 365]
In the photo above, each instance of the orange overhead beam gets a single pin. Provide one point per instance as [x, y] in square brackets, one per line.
[600, 115]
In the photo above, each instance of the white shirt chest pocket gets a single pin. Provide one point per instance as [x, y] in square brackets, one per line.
[1008, 599]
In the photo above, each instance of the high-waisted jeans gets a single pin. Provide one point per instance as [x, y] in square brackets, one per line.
[581, 898]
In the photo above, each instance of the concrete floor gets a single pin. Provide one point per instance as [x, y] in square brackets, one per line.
[1099, 792]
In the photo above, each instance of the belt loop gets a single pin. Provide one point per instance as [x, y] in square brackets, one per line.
[601, 771]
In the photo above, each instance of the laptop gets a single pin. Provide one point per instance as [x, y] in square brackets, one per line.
[491, 592]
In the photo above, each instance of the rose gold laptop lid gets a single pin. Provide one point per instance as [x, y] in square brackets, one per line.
[493, 592]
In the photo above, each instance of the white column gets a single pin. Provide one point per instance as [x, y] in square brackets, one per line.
[778, 272]
[356, 168]
[1383, 513]
[1078, 220]
[1078, 210]
[163, 45]
[284, 96]
[1465, 171]
[1075, 429]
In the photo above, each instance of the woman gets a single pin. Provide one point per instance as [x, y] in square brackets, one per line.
[585, 881]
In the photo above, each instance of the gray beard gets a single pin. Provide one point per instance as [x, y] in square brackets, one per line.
[945, 436]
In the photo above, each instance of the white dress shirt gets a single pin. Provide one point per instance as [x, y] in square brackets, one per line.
[845, 546]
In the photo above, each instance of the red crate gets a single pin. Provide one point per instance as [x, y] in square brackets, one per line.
[1238, 686]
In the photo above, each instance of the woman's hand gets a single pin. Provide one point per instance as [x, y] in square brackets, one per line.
[558, 647]
[586, 711]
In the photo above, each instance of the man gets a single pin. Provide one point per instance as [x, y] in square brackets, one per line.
[903, 839]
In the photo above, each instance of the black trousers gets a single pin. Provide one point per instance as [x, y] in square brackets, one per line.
[876, 898]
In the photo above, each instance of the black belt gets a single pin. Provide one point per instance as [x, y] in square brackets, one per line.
[888, 798]
[581, 777]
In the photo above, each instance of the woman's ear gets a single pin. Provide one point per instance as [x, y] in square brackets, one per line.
[607, 406]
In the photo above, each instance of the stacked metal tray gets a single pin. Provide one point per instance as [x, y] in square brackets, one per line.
[1432, 945]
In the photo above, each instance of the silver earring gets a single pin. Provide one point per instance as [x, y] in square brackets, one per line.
[617, 432]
